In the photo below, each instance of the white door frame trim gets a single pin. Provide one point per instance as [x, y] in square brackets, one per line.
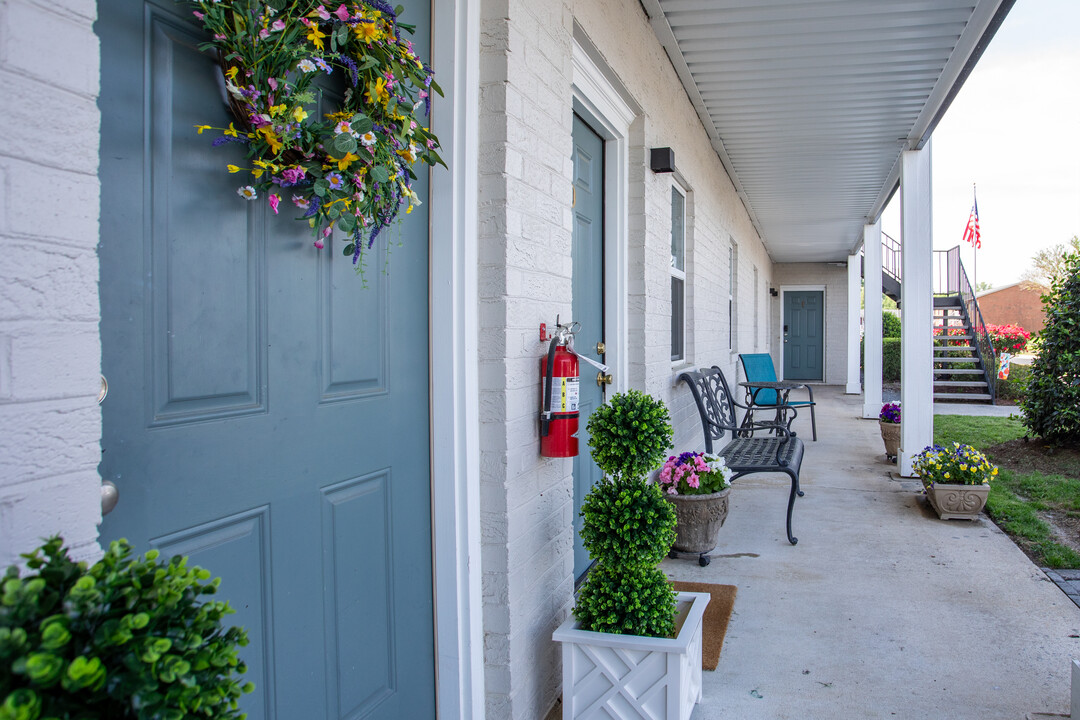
[598, 101]
[824, 324]
[454, 389]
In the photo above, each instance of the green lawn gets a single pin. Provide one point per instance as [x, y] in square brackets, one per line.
[1017, 497]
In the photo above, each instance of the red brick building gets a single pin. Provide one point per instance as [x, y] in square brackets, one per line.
[1017, 304]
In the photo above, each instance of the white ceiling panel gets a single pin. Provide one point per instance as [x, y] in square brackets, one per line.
[809, 103]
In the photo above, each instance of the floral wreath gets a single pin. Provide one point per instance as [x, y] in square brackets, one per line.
[351, 169]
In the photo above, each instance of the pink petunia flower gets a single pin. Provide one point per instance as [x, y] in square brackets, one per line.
[274, 200]
[342, 13]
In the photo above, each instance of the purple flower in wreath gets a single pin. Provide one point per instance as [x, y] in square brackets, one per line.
[290, 177]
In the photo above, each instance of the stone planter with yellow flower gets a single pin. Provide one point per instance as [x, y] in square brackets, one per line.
[956, 479]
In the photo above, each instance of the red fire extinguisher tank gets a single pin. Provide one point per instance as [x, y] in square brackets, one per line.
[560, 388]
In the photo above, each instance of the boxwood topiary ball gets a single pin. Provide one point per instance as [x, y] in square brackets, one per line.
[627, 523]
[630, 435]
[636, 600]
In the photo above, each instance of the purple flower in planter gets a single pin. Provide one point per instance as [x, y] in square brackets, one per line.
[890, 413]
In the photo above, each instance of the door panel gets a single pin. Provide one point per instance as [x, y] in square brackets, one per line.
[588, 305]
[256, 419]
[804, 335]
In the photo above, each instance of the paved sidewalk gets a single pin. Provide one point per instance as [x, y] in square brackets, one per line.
[881, 610]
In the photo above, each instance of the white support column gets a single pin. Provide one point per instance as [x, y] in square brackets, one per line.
[854, 329]
[872, 320]
[917, 308]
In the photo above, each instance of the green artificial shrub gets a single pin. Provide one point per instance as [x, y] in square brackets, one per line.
[629, 435]
[628, 525]
[890, 359]
[1052, 401]
[629, 520]
[637, 600]
[124, 638]
[890, 325]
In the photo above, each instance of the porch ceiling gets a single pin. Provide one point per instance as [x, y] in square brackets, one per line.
[809, 103]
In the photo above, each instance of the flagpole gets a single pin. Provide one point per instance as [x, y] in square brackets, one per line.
[975, 247]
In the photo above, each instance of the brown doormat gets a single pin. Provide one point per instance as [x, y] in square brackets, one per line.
[717, 614]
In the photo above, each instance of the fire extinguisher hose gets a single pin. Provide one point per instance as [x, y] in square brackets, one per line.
[545, 417]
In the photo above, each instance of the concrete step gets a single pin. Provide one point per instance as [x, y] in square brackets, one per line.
[956, 360]
[954, 348]
[955, 337]
[957, 371]
[960, 383]
[962, 396]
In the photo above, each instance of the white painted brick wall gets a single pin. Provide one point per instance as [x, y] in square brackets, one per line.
[525, 279]
[50, 355]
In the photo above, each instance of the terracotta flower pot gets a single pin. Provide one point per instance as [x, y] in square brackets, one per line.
[962, 502]
[699, 520]
[890, 433]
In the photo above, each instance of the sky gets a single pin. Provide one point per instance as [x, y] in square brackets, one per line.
[1014, 131]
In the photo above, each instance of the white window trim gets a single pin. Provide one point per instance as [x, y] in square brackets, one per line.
[733, 296]
[599, 102]
[681, 274]
[824, 327]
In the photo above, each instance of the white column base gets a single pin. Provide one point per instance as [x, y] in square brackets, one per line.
[904, 463]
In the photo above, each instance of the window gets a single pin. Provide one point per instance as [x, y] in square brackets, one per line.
[757, 311]
[678, 275]
[733, 276]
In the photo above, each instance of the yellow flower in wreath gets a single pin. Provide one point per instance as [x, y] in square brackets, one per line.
[315, 35]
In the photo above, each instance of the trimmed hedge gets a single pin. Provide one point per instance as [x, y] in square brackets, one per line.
[890, 325]
[890, 360]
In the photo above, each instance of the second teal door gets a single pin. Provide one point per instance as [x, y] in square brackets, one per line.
[804, 325]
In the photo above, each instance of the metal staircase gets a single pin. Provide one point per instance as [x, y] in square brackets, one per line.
[965, 364]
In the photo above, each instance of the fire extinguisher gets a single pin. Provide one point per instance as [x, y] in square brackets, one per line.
[560, 386]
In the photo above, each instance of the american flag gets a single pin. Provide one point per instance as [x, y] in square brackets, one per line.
[971, 232]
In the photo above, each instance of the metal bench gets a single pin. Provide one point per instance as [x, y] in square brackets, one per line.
[780, 451]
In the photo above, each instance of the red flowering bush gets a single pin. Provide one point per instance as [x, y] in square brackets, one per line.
[1008, 338]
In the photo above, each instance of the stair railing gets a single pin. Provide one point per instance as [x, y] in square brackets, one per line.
[984, 348]
[947, 269]
[890, 256]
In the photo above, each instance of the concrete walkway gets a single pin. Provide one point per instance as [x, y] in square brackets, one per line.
[881, 610]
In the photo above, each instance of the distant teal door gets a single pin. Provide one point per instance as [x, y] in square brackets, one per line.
[804, 326]
[588, 305]
[266, 415]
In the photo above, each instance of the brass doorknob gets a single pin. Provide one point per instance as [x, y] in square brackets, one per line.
[601, 348]
[602, 379]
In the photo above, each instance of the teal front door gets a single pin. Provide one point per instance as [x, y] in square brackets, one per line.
[588, 305]
[267, 416]
[804, 325]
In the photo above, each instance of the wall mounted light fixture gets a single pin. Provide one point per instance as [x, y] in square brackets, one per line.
[772, 291]
[662, 160]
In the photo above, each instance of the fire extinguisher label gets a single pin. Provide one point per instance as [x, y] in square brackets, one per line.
[564, 394]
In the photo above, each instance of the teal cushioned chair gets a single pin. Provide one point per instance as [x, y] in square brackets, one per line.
[758, 367]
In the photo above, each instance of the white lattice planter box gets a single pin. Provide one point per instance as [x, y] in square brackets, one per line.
[630, 676]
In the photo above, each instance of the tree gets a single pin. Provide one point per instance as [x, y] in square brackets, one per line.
[983, 286]
[1052, 402]
[1048, 264]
